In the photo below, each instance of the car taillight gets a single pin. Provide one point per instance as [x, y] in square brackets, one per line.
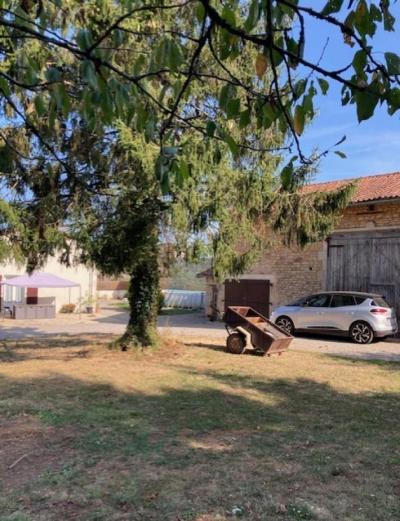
[379, 311]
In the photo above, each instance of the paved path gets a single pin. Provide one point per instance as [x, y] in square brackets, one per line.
[193, 327]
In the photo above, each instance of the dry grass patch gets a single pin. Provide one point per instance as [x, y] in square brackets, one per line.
[194, 434]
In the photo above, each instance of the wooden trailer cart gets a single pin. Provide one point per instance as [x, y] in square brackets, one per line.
[248, 328]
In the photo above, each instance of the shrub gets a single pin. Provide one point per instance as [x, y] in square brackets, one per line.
[161, 300]
[67, 308]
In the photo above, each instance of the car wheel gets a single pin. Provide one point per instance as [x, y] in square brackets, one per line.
[361, 333]
[286, 324]
[236, 343]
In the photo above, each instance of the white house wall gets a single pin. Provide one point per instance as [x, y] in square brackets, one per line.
[80, 274]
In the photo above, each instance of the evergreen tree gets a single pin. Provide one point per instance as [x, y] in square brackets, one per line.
[124, 123]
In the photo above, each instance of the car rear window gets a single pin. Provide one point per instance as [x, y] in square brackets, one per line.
[359, 300]
[380, 301]
[339, 301]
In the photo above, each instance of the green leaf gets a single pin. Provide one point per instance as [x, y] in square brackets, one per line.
[346, 97]
[375, 13]
[366, 102]
[308, 104]
[182, 172]
[118, 37]
[31, 75]
[393, 63]
[210, 128]
[53, 74]
[388, 18]
[360, 62]
[299, 120]
[185, 170]
[253, 16]
[141, 117]
[4, 86]
[362, 19]
[84, 39]
[269, 114]
[340, 154]
[138, 66]
[162, 173]
[61, 97]
[174, 55]
[200, 12]
[245, 118]
[394, 100]
[227, 93]
[324, 85]
[88, 73]
[233, 147]
[233, 108]
[40, 106]
[293, 47]
[333, 6]
[300, 88]
[228, 14]
[287, 176]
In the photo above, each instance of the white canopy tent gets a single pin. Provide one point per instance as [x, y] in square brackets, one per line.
[42, 280]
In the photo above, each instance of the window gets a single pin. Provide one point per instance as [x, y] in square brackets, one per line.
[380, 301]
[12, 293]
[340, 301]
[319, 301]
[359, 300]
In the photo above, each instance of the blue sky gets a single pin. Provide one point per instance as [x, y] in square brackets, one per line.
[373, 146]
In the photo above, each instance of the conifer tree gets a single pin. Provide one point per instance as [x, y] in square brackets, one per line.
[123, 122]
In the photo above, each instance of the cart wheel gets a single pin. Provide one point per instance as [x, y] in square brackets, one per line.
[236, 343]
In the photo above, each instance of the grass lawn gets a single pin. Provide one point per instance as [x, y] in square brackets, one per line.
[190, 433]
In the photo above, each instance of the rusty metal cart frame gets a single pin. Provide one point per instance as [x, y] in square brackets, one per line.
[248, 328]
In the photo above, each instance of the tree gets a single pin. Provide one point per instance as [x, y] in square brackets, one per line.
[125, 50]
[122, 119]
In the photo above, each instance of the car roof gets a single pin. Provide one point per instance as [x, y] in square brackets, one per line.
[356, 293]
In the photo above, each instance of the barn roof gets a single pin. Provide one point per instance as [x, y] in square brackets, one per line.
[368, 188]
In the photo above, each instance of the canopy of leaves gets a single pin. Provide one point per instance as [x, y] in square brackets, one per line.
[148, 64]
[117, 115]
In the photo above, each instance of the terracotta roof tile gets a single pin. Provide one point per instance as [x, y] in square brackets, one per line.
[369, 188]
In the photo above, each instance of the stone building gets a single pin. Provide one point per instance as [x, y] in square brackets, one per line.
[363, 254]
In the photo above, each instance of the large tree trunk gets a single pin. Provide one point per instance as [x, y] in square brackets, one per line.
[143, 296]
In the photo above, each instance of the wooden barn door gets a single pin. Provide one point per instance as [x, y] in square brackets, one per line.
[248, 292]
[368, 261]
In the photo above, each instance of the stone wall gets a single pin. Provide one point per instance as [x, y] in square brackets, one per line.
[370, 216]
[295, 272]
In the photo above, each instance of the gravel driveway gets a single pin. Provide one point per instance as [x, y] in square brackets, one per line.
[193, 327]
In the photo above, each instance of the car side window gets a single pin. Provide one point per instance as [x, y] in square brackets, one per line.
[340, 301]
[319, 301]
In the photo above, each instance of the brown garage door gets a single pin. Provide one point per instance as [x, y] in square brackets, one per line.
[248, 292]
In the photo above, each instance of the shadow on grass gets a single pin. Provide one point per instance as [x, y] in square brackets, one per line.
[25, 349]
[387, 365]
[209, 444]
[222, 348]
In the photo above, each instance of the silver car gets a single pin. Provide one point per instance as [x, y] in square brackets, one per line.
[362, 316]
